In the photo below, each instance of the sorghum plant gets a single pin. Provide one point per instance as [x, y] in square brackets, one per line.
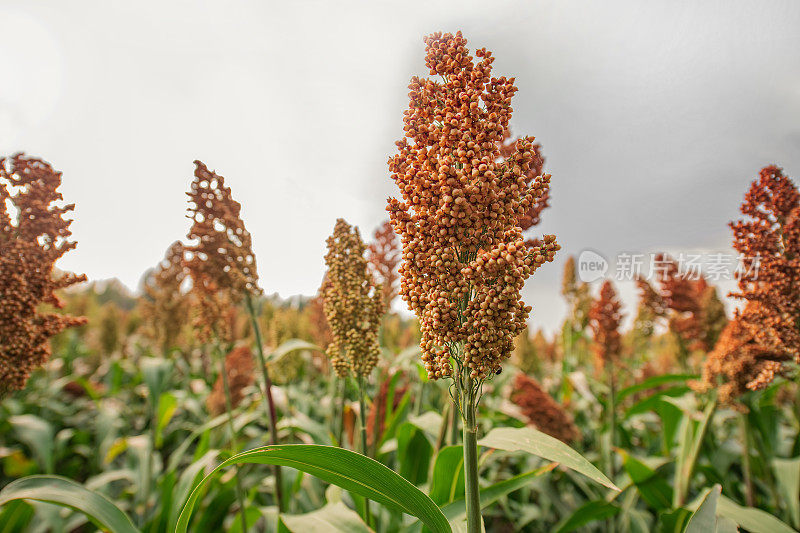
[222, 268]
[29, 249]
[542, 410]
[464, 256]
[606, 317]
[753, 348]
[354, 306]
[165, 306]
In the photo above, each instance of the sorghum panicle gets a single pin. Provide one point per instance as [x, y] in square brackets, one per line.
[29, 249]
[764, 335]
[240, 367]
[542, 410]
[384, 256]
[464, 256]
[606, 317]
[220, 261]
[165, 307]
[353, 303]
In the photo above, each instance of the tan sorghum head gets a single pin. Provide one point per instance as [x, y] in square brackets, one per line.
[165, 306]
[29, 249]
[464, 256]
[220, 258]
[353, 303]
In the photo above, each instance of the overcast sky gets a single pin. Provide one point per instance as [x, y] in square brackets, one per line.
[653, 117]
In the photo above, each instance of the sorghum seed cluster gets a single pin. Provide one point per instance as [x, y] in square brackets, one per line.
[464, 256]
[29, 249]
[353, 303]
[220, 261]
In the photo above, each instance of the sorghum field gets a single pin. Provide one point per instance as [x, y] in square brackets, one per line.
[202, 404]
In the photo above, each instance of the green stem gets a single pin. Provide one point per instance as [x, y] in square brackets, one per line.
[269, 403]
[748, 476]
[342, 396]
[362, 413]
[232, 431]
[472, 490]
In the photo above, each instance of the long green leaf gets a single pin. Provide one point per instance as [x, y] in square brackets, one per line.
[67, 493]
[542, 445]
[349, 470]
[653, 382]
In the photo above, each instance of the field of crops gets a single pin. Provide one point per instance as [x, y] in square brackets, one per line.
[202, 403]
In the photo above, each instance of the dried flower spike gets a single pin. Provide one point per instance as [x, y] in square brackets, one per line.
[29, 249]
[353, 303]
[465, 259]
[220, 261]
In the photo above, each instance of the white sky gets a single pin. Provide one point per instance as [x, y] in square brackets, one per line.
[653, 117]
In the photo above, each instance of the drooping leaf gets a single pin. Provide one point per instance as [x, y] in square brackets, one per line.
[349, 470]
[67, 493]
[542, 445]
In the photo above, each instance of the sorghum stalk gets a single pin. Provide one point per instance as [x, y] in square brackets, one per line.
[469, 406]
[229, 408]
[362, 413]
[266, 390]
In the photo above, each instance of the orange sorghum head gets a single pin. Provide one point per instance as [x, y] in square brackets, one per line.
[353, 303]
[464, 256]
[384, 256]
[754, 346]
[542, 410]
[605, 318]
[771, 235]
[220, 260]
[29, 249]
